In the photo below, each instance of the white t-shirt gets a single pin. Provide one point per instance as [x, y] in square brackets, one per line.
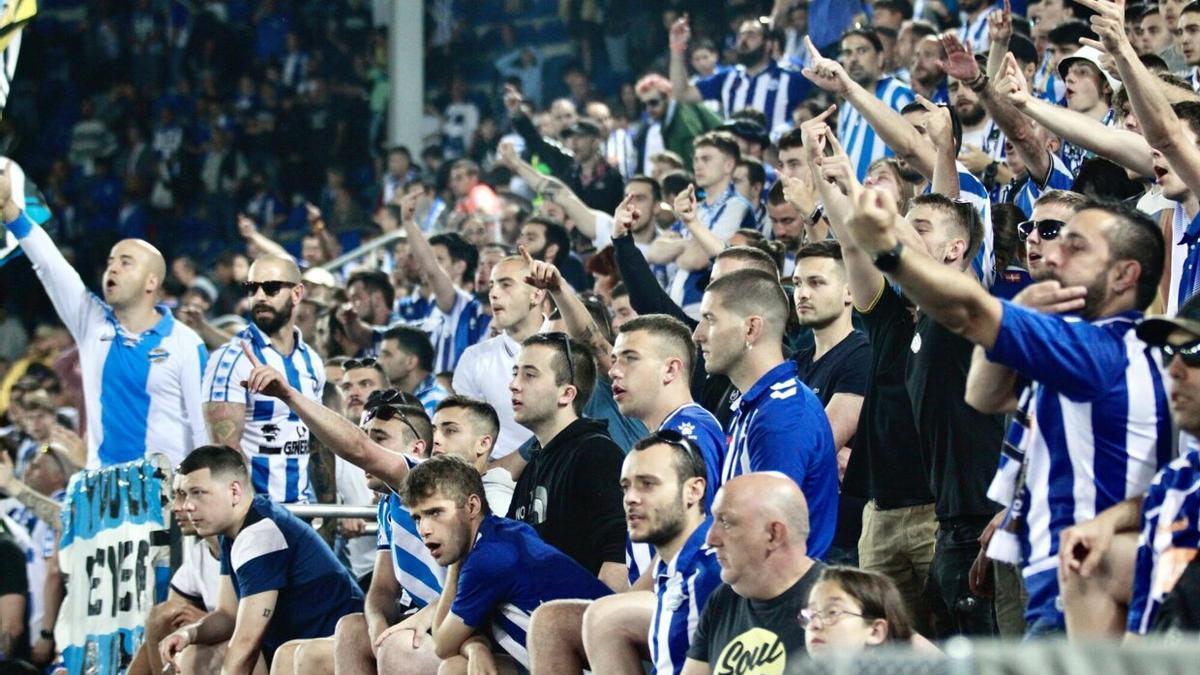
[199, 577]
[484, 372]
[352, 490]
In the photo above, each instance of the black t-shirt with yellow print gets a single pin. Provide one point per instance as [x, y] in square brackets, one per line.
[739, 636]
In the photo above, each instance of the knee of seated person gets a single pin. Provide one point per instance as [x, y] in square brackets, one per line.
[558, 617]
[597, 618]
[396, 647]
[350, 626]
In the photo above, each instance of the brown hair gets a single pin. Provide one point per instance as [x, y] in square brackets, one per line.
[877, 595]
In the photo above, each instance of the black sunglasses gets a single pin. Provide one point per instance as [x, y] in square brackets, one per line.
[673, 437]
[369, 362]
[1188, 351]
[271, 288]
[385, 405]
[652, 102]
[1046, 229]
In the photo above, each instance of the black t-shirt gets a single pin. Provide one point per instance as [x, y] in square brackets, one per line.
[739, 635]
[845, 369]
[13, 581]
[885, 464]
[959, 444]
[570, 492]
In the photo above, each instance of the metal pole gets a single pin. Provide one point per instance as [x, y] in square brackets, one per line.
[406, 74]
[355, 254]
[331, 511]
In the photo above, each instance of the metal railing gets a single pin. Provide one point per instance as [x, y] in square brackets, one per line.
[364, 250]
[337, 511]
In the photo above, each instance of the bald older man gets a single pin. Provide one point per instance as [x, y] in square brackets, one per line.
[759, 531]
[141, 368]
[273, 440]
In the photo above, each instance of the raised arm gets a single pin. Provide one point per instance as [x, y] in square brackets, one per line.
[334, 431]
[1000, 30]
[444, 292]
[554, 156]
[46, 509]
[330, 246]
[1160, 125]
[1127, 148]
[681, 89]
[947, 295]
[575, 314]
[553, 189]
[938, 130]
[900, 136]
[266, 246]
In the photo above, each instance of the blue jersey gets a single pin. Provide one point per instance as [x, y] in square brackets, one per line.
[776, 91]
[1189, 277]
[142, 392]
[702, 428]
[780, 425]
[276, 551]
[452, 332]
[413, 309]
[1058, 178]
[416, 571]
[273, 437]
[723, 217]
[861, 142]
[1098, 427]
[430, 394]
[1170, 519]
[509, 573]
[974, 33]
[681, 587]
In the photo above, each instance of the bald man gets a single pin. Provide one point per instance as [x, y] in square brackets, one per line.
[141, 368]
[273, 440]
[760, 530]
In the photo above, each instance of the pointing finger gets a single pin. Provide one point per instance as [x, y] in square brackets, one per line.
[250, 354]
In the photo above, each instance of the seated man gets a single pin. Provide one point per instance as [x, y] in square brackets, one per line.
[194, 592]
[279, 581]
[499, 570]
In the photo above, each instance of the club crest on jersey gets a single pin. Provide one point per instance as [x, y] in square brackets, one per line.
[158, 355]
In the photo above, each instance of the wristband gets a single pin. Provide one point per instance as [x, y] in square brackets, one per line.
[978, 84]
[47, 635]
[20, 226]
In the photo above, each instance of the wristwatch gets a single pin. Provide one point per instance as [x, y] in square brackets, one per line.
[47, 634]
[889, 260]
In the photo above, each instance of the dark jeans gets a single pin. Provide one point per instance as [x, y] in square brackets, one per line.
[956, 610]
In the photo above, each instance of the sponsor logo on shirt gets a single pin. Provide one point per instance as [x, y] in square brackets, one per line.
[158, 355]
[757, 651]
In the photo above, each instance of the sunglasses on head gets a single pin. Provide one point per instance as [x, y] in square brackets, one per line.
[673, 437]
[566, 340]
[385, 405]
[369, 362]
[1046, 229]
[1188, 351]
[271, 288]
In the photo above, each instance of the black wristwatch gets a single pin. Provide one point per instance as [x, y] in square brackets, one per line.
[888, 261]
[47, 635]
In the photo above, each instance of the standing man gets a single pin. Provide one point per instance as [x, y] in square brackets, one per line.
[778, 424]
[406, 355]
[272, 439]
[672, 125]
[142, 369]
[486, 368]
[570, 489]
[279, 581]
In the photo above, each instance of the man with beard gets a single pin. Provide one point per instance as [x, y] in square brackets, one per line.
[862, 61]
[925, 75]
[1099, 421]
[790, 227]
[757, 81]
[272, 440]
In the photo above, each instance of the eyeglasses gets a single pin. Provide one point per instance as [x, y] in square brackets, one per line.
[1189, 352]
[826, 618]
[385, 405]
[271, 288]
[652, 102]
[1047, 229]
[369, 362]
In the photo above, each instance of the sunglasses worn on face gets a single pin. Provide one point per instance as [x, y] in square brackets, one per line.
[1047, 229]
[1188, 351]
[652, 102]
[271, 288]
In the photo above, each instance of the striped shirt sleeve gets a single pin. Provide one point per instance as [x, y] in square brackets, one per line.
[227, 368]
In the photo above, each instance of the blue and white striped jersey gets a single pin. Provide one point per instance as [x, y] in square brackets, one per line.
[971, 190]
[974, 34]
[723, 217]
[509, 574]
[430, 394]
[1049, 86]
[699, 425]
[861, 142]
[1170, 519]
[274, 438]
[775, 91]
[780, 425]
[418, 573]
[1059, 178]
[1075, 155]
[1098, 429]
[452, 332]
[142, 392]
[681, 587]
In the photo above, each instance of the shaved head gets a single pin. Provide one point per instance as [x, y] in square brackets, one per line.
[776, 497]
[275, 268]
[134, 273]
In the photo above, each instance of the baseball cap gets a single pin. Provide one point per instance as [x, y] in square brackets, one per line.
[747, 130]
[319, 276]
[1155, 329]
[1092, 56]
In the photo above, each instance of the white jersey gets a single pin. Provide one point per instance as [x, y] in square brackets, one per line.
[352, 490]
[484, 373]
[199, 576]
[273, 438]
[142, 392]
